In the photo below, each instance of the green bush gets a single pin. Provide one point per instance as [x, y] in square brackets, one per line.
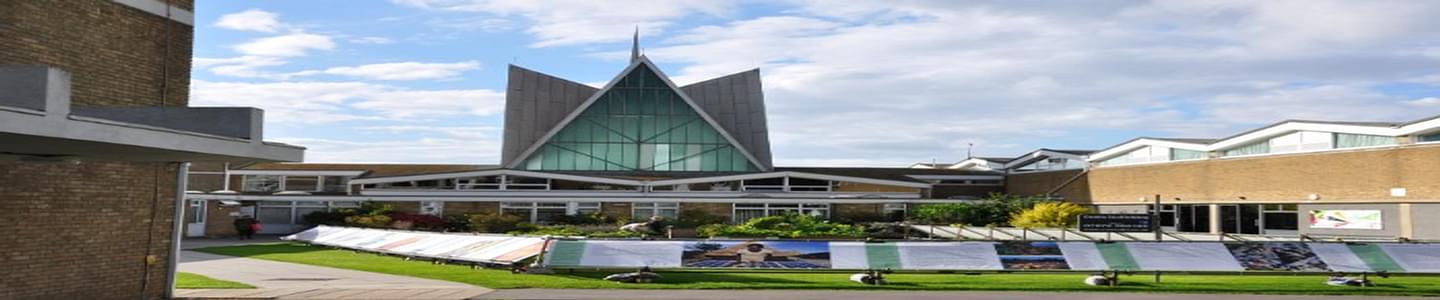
[331, 218]
[862, 218]
[993, 211]
[571, 230]
[694, 218]
[496, 223]
[787, 226]
[595, 218]
[380, 221]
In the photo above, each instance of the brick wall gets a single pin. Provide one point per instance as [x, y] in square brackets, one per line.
[1342, 176]
[717, 209]
[113, 52]
[1041, 183]
[466, 208]
[69, 237]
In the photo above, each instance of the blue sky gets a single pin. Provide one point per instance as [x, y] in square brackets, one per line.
[847, 83]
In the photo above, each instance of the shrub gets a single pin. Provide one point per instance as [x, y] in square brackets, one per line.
[595, 218]
[862, 217]
[693, 218]
[380, 221]
[571, 230]
[457, 224]
[495, 223]
[1049, 215]
[331, 218]
[789, 226]
[416, 221]
[993, 211]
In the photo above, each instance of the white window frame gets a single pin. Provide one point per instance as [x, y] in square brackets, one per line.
[245, 183]
[434, 208]
[571, 208]
[774, 209]
[281, 187]
[903, 208]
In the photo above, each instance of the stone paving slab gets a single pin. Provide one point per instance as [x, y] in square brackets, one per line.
[567, 294]
[332, 294]
[267, 274]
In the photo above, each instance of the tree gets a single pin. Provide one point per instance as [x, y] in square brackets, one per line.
[1049, 215]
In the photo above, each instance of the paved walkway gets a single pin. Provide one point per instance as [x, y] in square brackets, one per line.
[278, 280]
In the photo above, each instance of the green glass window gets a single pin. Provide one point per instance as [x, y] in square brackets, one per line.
[1430, 138]
[1346, 140]
[1261, 147]
[640, 124]
[1182, 154]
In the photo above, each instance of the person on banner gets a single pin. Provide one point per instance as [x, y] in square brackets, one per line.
[754, 255]
[246, 227]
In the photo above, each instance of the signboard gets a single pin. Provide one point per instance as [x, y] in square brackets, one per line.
[1116, 223]
[1346, 219]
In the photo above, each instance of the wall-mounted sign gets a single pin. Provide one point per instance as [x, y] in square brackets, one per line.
[1117, 223]
[1346, 219]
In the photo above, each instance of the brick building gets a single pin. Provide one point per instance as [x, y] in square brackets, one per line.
[95, 91]
[1314, 178]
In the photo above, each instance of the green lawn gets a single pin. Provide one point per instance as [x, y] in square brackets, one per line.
[503, 279]
[196, 281]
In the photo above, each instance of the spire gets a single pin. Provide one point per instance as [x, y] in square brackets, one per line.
[635, 46]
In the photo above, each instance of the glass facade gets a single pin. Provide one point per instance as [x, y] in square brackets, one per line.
[1183, 154]
[640, 124]
[1346, 140]
[1430, 138]
[1261, 147]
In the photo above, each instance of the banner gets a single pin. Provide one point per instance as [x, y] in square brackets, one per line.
[1019, 255]
[1277, 257]
[1414, 257]
[757, 254]
[1183, 256]
[1346, 219]
[463, 247]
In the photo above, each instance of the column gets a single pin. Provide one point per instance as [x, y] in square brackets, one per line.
[1214, 218]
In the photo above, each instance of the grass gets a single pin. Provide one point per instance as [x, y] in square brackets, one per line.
[196, 281]
[1053, 282]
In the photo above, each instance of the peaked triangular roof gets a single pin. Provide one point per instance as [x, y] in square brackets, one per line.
[535, 102]
[643, 62]
[737, 103]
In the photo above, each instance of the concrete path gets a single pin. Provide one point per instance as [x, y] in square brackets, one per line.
[278, 280]
[566, 294]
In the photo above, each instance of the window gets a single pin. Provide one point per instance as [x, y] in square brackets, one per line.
[434, 208]
[1281, 217]
[1261, 147]
[196, 211]
[1055, 163]
[640, 124]
[261, 183]
[1346, 140]
[894, 211]
[302, 183]
[645, 210]
[1167, 215]
[1434, 137]
[336, 184]
[776, 184]
[545, 212]
[746, 211]
[808, 185]
[1182, 154]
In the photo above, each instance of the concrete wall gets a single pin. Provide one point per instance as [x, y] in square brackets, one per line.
[84, 230]
[1340, 176]
[1426, 221]
[1390, 216]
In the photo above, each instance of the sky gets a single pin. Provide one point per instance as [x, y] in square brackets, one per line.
[847, 83]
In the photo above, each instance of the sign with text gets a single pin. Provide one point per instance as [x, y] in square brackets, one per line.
[1116, 223]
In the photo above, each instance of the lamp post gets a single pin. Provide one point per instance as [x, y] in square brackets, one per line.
[1155, 219]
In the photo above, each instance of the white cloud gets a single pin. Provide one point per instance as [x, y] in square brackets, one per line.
[578, 22]
[402, 70]
[902, 80]
[1425, 102]
[328, 102]
[372, 40]
[251, 20]
[288, 45]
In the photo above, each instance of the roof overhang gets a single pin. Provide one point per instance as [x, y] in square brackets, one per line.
[439, 176]
[791, 174]
[1038, 155]
[37, 123]
[1142, 142]
[567, 199]
[299, 172]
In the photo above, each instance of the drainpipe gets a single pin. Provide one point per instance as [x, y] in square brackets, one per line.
[182, 179]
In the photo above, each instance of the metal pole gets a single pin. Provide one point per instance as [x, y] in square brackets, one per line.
[1155, 220]
[182, 179]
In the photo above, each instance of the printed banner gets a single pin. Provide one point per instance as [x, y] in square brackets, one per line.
[1183, 256]
[1031, 256]
[757, 254]
[1423, 258]
[1277, 257]
[1346, 219]
[464, 247]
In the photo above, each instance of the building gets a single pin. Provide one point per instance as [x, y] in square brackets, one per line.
[1296, 177]
[640, 146]
[94, 139]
